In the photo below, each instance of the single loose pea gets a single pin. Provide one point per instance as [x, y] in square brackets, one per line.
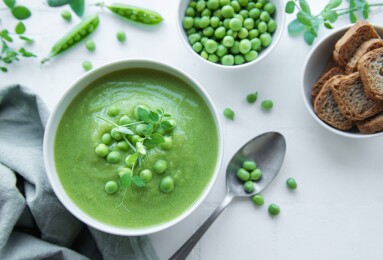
[193, 4]
[140, 129]
[243, 175]
[265, 16]
[123, 146]
[239, 59]
[235, 48]
[208, 31]
[90, 45]
[256, 175]
[258, 200]
[195, 37]
[124, 120]
[213, 58]
[228, 59]
[101, 150]
[248, 23]
[125, 171]
[206, 12]
[249, 165]
[167, 184]
[231, 33]
[168, 143]
[262, 27]
[244, 13]
[191, 31]
[219, 33]
[228, 41]
[160, 166]
[146, 175]
[248, 186]
[254, 33]
[121, 36]
[197, 47]
[113, 157]
[244, 46]
[87, 65]
[221, 50]
[116, 135]
[251, 98]
[217, 13]
[204, 40]
[265, 39]
[227, 11]
[270, 8]
[113, 111]
[240, 17]
[226, 23]
[204, 54]
[291, 183]
[255, 44]
[135, 138]
[236, 6]
[187, 22]
[244, 3]
[235, 24]
[212, 4]
[228, 113]
[66, 15]
[251, 55]
[204, 22]
[267, 104]
[111, 187]
[258, 5]
[274, 209]
[211, 46]
[224, 2]
[243, 33]
[201, 5]
[106, 139]
[196, 22]
[190, 11]
[254, 13]
[271, 26]
[214, 22]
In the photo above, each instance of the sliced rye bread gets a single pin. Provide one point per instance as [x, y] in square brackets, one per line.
[327, 110]
[352, 65]
[371, 125]
[349, 94]
[330, 64]
[346, 46]
[322, 80]
[370, 67]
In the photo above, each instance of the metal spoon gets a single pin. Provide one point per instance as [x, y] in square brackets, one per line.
[268, 151]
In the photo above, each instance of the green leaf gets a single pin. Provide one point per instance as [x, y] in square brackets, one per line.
[124, 130]
[305, 6]
[5, 35]
[157, 138]
[143, 115]
[333, 4]
[4, 69]
[304, 19]
[331, 16]
[166, 125]
[290, 7]
[328, 25]
[154, 117]
[26, 39]
[167, 115]
[77, 6]
[125, 181]
[26, 54]
[9, 3]
[138, 181]
[352, 4]
[148, 129]
[57, 3]
[21, 12]
[132, 159]
[352, 17]
[366, 10]
[20, 28]
[309, 37]
[295, 27]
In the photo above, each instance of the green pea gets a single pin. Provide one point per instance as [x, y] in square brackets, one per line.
[113, 157]
[196, 22]
[244, 14]
[248, 186]
[201, 5]
[211, 46]
[249, 165]
[187, 22]
[214, 22]
[123, 146]
[270, 8]
[87, 65]
[124, 120]
[226, 23]
[66, 15]
[255, 44]
[250, 6]
[258, 5]
[106, 139]
[228, 41]
[101, 150]
[240, 17]
[239, 59]
[251, 55]
[254, 13]
[90, 45]
[264, 16]
[204, 54]
[213, 58]
[258, 200]
[243, 33]
[193, 4]
[235, 48]
[291, 183]
[271, 26]
[254, 33]
[125, 171]
[197, 47]
[204, 22]
[135, 138]
[227, 11]
[235, 6]
[265, 39]
[193, 38]
[140, 129]
[251, 98]
[219, 33]
[235, 24]
[113, 111]
[160, 166]
[243, 175]
[167, 184]
[204, 40]
[206, 12]
[228, 113]
[212, 4]
[146, 175]
[111, 187]
[224, 2]
[190, 11]
[168, 143]
[128, 162]
[262, 27]
[244, 3]
[267, 104]
[208, 31]
[227, 60]
[121, 36]
[217, 13]
[273, 209]
[136, 115]
[116, 135]
[244, 46]
[256, 175]
[221, 51]
[248, 23]
[231, 33]
[191, 31]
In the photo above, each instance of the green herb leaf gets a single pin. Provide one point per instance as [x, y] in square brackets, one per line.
[77, 6]
[331, 16]
[143, 115]
[366, 10]
[125, 181]
[309, 37]
[295, 27]
[154, 139]
[9, 3]
[57, 3]
[20, 28]
[167, 115]
[166, 125]
[353, 17]
[305, 6]
[148, 129]
[304, 19]
[5, 35]
[132, 159]
[138, 181]
[333, 4]
[328, 25]
[4, 69]
[26, 39]
[124, 130]
[25, 53]
[21, 12]
[290, 7]
[154, 117]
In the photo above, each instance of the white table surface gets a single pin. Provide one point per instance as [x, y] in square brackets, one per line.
[337, 210]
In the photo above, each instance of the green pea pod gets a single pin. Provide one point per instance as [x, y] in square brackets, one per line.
[75, 35]
[136, 14]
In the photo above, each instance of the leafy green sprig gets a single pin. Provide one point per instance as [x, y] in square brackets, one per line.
[77, 6]
[308, 24]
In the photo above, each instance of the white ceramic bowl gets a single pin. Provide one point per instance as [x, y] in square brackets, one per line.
[58, 112]
[279, 17]
[315, 65]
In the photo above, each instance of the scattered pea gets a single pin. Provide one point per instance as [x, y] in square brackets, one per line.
[121, 36]
[256, 174]
[252, 97]
[125, 171]
[146, 175]
[135, 138]
[123, 146]
[87, 65]
[239, 59]
[102, 150]
[248, 186]
[167, 184]
[111, 187]
[249, 165]
[106, 139]
[273, 209]
[291, 183]
[160, 166]
[228, 113]
[267, 104]
[168, 143]
[227, 59]
[258, 200]
[90, 45]
[243, 175]
[113, 111]
[113, 157]
[116, 135]
[66, 15]
[124, 120]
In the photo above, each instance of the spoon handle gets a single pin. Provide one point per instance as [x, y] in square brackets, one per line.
[185, 249]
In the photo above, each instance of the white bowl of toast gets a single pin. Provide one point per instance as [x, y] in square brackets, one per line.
[342, 81]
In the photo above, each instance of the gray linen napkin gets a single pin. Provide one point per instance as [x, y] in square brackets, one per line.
[33, 222]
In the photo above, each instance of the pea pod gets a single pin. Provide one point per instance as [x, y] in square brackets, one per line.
[136, 14]
[75, 35]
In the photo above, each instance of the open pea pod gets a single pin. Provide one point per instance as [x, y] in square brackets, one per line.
[75, 35]
[136, 14]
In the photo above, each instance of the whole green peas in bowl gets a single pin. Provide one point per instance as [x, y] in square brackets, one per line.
[231, 34]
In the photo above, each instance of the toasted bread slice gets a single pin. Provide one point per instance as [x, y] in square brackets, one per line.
[352, 102]
[346, 46]
[327, 110]
[330, 64]
[352, 65]
[322, 80]
[371, 125]
[370, 67]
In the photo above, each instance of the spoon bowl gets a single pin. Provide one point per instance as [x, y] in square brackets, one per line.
[268, 151]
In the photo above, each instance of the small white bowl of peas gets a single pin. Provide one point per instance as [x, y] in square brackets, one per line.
[231, 33]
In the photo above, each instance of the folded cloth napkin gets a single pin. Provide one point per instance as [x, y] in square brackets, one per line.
[33, 222]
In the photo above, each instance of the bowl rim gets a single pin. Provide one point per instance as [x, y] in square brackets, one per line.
[264, 53]
[50, 133]
[307, 102]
